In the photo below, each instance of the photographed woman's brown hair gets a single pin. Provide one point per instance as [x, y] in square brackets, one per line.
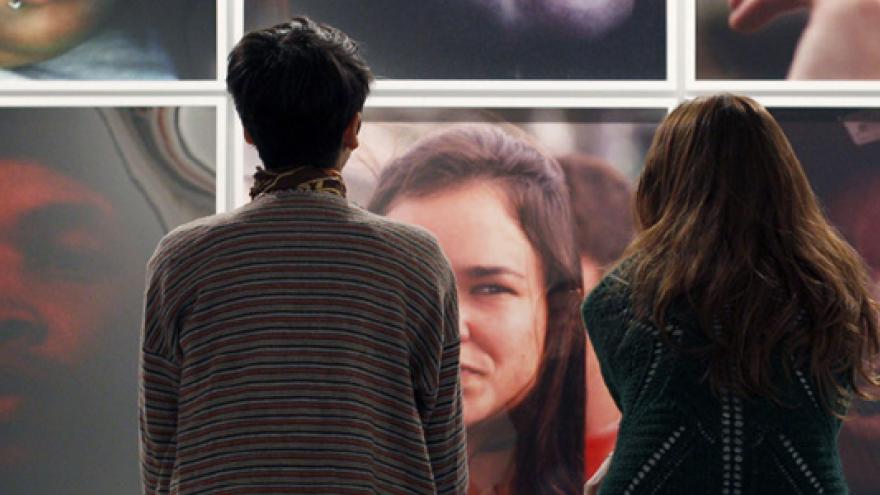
[728, 221]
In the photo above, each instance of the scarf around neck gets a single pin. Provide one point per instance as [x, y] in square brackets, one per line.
[304, 178]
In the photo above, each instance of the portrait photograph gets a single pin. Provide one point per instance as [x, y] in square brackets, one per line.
[785, 40]
[493, 39]
[84, 202]
[108, 40]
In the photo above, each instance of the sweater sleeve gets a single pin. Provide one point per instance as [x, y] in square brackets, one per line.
[445, 434]
[158, 383]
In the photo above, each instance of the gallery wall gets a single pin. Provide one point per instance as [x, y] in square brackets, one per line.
[115, 128]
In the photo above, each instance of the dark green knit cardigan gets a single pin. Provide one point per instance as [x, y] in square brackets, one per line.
[677, 437]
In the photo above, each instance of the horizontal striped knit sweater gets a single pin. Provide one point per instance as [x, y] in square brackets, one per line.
[678, 438]
[300, 345]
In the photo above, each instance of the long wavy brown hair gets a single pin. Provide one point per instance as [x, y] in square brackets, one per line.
[730, 225]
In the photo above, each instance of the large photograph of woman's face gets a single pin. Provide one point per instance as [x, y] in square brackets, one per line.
[494, 188]
[840, 151]
[85, 195]
[492, 39]
[107, 39]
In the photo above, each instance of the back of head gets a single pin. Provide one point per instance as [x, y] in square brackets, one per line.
[296, 87]
[730, 225]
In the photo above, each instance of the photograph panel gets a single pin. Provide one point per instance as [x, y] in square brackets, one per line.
[492, 39]
[85, 195]
[108, 40]
[771, 40]
[839, 149]
[450, 170]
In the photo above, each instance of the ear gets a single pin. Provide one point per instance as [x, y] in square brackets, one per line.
[248, 138]
[350, 136]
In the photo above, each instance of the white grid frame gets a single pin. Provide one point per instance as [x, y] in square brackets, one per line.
[679, 85]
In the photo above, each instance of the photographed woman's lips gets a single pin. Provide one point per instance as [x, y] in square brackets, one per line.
[470, 370]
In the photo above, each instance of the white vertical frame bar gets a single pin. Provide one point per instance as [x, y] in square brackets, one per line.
[674, 46]
[237, 20]
[235, 131]
[224, 24]
[689, 33]
[222, 185]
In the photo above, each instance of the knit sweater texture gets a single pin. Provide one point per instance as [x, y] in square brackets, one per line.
[300, 345]
[678, 437]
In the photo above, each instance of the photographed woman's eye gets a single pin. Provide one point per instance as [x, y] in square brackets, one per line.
[492, 289]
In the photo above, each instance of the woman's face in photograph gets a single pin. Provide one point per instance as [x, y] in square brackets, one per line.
[502, 304]
[41, 29]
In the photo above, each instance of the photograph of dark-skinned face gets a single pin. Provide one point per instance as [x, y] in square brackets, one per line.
[82, 205]
[493, 39]
[107, 40]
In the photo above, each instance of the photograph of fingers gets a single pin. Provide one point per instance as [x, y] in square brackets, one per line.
[779, 45]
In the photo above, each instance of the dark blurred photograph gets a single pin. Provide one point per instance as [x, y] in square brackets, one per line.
[82, 204]
[788, 39]
[108, 40]
[493, 39]
[494, 187]
[840, 151]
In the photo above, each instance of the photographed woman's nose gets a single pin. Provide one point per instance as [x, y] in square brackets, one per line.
[464, 330]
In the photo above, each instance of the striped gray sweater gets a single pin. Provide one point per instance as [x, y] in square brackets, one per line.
[300, 345]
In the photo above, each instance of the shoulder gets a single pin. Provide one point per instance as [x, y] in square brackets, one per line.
[611, 295]
[186, 241]
[410, 243]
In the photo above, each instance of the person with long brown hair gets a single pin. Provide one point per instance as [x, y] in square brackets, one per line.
[740, 324]
[498, 206]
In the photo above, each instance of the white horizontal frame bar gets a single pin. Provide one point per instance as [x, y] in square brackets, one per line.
[34, 86]
[786, 86]
[819, 101]
[392, 87]
[515, 102]
[110, 101]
